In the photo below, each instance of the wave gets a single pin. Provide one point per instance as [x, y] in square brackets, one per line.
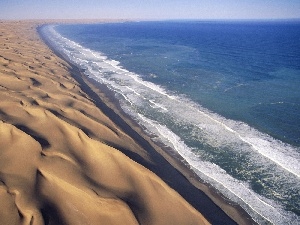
[225, 153]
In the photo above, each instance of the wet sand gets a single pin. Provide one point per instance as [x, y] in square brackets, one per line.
[68, 155]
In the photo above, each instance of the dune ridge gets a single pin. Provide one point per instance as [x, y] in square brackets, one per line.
[59, 158]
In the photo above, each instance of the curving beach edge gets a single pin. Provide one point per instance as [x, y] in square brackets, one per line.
[68, 155]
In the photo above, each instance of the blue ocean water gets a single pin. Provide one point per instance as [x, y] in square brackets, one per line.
[223, 94]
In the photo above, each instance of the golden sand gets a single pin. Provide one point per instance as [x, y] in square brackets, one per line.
[57, 165]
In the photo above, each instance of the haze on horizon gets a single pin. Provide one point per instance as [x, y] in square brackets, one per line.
[150, 9]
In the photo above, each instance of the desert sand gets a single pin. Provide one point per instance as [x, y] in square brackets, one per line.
[62, 150]
[57, 165]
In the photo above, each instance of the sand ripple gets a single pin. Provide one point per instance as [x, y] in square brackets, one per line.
[59, 162]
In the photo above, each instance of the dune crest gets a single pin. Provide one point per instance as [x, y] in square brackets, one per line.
[59, 158]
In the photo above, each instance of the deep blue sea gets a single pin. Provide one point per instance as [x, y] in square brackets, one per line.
[224, 94]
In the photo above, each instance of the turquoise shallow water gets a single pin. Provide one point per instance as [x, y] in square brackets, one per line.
[225, 95]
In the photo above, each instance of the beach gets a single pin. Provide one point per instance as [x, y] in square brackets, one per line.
[68, 155]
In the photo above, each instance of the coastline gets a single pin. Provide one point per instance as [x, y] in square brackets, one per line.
[124, 135]
[161, 154]
[167, 163]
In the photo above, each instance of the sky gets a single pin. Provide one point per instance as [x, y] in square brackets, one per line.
[149, 9]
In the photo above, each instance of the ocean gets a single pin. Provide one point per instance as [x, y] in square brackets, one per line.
[225, 95]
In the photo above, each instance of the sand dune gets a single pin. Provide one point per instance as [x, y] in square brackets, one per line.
[59, 158]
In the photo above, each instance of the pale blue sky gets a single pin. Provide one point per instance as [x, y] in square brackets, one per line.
[149, 9]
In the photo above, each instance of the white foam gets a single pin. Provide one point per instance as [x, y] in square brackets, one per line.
[276, 151]
[134, 91]
[156, 105]
[235, 190]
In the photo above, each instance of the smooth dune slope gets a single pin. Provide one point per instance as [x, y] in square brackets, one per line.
[57, 163]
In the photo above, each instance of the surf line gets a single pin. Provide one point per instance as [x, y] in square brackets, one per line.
[159, 90]
[253, 146]
[245, 141]
[193, 167]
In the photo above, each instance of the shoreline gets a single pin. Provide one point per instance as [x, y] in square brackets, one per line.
[104, 98]
[62, 103]
[203, 193]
